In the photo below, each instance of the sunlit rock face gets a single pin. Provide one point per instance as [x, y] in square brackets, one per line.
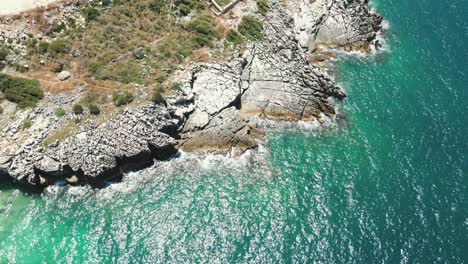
[15, 6]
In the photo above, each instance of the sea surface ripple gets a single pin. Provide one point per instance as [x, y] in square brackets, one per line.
[388, 184]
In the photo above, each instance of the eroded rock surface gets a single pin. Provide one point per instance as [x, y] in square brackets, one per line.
[217, 108]
[130, 140]
[273, 79]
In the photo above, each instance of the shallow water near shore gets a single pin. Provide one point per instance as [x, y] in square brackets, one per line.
[389, 185]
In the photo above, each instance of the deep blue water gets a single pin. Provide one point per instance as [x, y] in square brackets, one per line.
[387, 186]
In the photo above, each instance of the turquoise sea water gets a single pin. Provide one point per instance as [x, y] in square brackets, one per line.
[388, 185]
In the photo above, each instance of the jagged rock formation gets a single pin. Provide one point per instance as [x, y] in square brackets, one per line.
[217, 107]
[97, 152]
[273, 78]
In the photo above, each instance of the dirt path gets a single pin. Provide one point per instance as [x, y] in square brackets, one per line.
[50, 83]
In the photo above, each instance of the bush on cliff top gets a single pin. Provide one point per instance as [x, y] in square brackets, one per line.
[122, 98]
[27, 123]
[177, 7]
[205, 31]
[24, 92]
[3, 53]
[94, 109]
[60, 112]
[78, 109]
[233, 37]
[262, 7]
[251, 28]
[90, 13]
[58, 46]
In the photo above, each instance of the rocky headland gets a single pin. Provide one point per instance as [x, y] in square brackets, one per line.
[217, 108]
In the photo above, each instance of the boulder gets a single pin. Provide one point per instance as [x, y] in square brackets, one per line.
[64, 75]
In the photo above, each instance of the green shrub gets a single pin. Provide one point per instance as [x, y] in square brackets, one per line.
[57, 47]
[122, 98]
[71, 22]
[139, 55]
[60, 112]
[43, 47]
[156, 97]
[57, 28]
[205, 32]
[157, 6]
[27, 123]
[1, 110]
[234, 38]
[262, 7]
[21, 68]
[95, 67]
[24, 92]
[3, 53]
[94, 109]
[177, 86]
[90, 13]
[251, 28]
[160, 87]
[185, 7]
[31, 43]
[94, 96]
[78, 109]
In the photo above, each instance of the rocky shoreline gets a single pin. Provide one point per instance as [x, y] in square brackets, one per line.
[217, 108]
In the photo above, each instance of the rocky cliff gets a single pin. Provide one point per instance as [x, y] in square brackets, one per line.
[217, 108]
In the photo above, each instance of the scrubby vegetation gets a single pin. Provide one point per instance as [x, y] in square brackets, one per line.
[94, 96]
[262, 7]
[234, 38]
[130, 42]
[204, 30]
[251, 28]
[139, 41]
[156, 97]
[78, 109]
[42, 47]
[60, 112]
[27, 123]
[90, 13]
[24, 92]
[122, 98]
[176, 86]
[59, 46]
[94, 109]
[3, 52]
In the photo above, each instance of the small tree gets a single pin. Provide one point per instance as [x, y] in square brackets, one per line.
[234, 38]
[251, 28]
[94, 109]
[90, 13]
[157, 6]
[3, 54]
[122, 98]
[60, 112]
[262, 7]
[43, 47]
[78, 109]
[27, 123]
[156, 97]
[58, 46]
